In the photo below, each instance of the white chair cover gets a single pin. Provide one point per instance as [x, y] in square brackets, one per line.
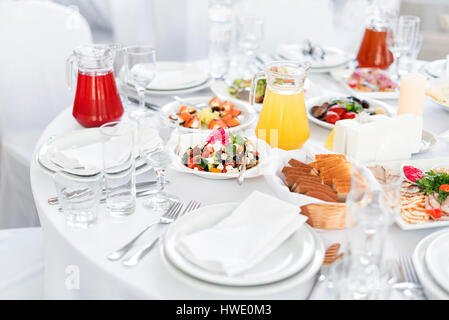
[38, 37]
[21, 264]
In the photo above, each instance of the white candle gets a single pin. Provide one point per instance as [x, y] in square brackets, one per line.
[412, 94]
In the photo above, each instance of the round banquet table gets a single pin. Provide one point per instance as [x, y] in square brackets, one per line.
[75, 259]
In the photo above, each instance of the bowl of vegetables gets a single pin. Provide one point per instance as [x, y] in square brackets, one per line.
[325, 111]
[219, 154]
[207, 114]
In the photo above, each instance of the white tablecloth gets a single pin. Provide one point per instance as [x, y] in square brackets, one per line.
[75, 260]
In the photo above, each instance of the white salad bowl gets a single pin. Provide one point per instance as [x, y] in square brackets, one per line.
[178, 144]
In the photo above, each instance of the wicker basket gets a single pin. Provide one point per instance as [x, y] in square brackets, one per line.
[328, 216]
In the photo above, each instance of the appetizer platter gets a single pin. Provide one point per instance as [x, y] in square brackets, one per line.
[326, 110]
[424, 192]
[206, 114]
[217, 155]
[368, 82]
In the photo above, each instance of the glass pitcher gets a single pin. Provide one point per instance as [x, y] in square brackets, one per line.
[97, 100]
[283, 119]
[374, 51]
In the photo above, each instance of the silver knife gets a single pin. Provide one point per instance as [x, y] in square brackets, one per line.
[81, 192]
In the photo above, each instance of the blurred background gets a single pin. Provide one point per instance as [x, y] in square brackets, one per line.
[179, 28]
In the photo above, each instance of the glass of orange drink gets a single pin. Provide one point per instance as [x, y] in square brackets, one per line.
[283, 119]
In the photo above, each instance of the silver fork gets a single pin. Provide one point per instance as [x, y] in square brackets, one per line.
[407, 279]
[141, 253]
[168, 217]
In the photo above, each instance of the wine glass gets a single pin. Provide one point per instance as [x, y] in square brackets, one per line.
[140, 72]
[405, 33]
[154, 153]
[119, 66]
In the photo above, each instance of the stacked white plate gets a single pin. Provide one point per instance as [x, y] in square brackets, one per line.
[177, 78]
[294, 263]
[431, 261]
[80, 152]
[334, 58]
[436, 69]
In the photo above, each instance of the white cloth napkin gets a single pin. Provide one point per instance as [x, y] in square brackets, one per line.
[259, 225]
[294, 52]
[90, 155]
[171, 76]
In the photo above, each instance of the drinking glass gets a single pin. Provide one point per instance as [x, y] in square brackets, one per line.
[119, 167]
[371, 208]
[140, 72]
[409, 60]
[403, 39]
[156, 156]
[79, 197]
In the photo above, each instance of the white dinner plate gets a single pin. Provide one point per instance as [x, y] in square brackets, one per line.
[424, 165]
[172, 75]
[334, 58]
[437, 260]
[374, 104]
[200, 87]
[221, 89]
[341, 75]
[302, 280]
[289, 258]
[193, 139]
[434, 83]
[246, 118]
[436, 69]
[431, 288]
[83, 137]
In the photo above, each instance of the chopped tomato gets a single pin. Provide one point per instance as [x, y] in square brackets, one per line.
[187, 109]
[227, 105]
[215, 102]
[216, 124]
[332, 117]
[230, 121]
[338, 109]
[198, 167]
[435, 213]
[444, 187]
[349, 115]
[233, 112]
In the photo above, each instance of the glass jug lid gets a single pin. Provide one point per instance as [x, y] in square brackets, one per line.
[94, 57]
[286, 77]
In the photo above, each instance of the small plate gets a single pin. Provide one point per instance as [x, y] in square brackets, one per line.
[289, 258]
[310, 103]
[79, 138]
[179, 70]
[437, 260]
[436, 69]
[246, 118]
[342, 75]
[192, 139]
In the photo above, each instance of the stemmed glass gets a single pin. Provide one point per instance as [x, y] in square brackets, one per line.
[405, 32]
[140, 72]
[249, 35]
[119, 66]
[156, 157]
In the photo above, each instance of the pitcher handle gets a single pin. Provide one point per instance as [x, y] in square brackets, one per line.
[252, 92]
[70, 71]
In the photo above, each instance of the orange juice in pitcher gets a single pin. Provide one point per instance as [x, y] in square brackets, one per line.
[283, 119]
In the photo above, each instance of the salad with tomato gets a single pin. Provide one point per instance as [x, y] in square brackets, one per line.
[223, 152]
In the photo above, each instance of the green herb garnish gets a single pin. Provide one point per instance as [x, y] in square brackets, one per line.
[432, 182]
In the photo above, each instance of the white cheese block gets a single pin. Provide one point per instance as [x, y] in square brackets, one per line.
[380, 139]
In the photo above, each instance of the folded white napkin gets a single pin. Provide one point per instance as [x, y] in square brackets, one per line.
[171, 76]
[259, 225]
[294, 52]
[90, 155]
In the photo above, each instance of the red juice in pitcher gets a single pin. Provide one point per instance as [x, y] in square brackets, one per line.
[97, 100]
[373, 52]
